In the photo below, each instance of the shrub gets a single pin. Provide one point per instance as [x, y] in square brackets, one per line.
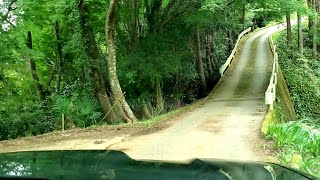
[298, 144]
[78, 105]
[302, 76]
[30, 121]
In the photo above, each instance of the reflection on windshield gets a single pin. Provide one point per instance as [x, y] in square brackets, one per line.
[117, 165]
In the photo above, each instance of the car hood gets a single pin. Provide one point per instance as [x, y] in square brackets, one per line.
[117, 165]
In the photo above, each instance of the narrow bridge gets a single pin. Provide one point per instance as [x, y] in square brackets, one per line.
[227, 125]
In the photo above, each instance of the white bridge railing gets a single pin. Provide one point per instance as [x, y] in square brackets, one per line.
[224, 67]
[270, 95]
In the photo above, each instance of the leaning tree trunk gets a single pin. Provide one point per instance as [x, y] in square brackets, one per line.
[33, 69]
[112, 62]
[300, 37]
[99, 86]
[94, 56]
[199, 63]
[289, 30]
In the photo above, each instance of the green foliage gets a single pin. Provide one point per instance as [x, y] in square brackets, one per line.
[152, 61]
[163, 53]
[29, 120]
[298, 144]
[78, 106]
[302, 76]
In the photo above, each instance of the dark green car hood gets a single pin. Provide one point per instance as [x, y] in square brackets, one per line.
[117, 165]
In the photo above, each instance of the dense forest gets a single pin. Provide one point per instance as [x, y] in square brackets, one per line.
[107, 62]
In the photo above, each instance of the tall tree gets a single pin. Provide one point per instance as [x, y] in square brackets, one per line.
[209, 60]
[134, 19]
[199, 62]
[33, 70]
[59, 55]
[313, 5]
[310, 17]
[289, 30]
[93, 54]
[287, 7]
[110, 29]
[300, 36]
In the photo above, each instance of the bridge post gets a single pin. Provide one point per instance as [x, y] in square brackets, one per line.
[274, 93]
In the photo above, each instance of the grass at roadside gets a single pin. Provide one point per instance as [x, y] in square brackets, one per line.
[298, 146]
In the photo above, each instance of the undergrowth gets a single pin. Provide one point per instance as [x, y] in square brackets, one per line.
[298, 146]
[302, 74]
[298, 143]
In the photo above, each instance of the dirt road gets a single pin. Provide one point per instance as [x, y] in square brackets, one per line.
[226, 126]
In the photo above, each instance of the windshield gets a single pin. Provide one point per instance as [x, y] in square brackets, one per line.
[117, 165]
[163, 80]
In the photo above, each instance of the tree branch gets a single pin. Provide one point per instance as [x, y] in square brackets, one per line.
[10, 8]
[177, 13]
[9, 22]
[169, 6]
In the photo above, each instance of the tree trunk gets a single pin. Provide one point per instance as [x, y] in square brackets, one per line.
[33, 70]
[213, 58]
[289, 30]
[112, 61]
[160, 102]
[108, 111]
[146, 111]
[199, 63]
[208, 55]
[94, 56]
[153, 13]
[314, 33]
[314, 40]
[230, 41]
[310, 18]
[243, 16]
[300, 36]
[134, 28]
[59, 57]
[310, 23]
